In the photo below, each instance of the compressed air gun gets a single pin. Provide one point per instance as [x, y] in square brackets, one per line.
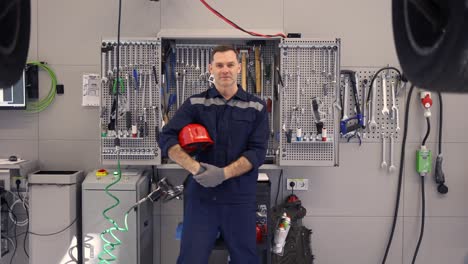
[347, 125]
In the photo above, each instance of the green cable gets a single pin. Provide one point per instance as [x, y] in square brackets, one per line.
[109, 246]
[41, 105]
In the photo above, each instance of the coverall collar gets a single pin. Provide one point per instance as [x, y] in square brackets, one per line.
[240, 94]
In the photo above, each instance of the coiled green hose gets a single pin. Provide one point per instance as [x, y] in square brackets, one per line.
[41, 105]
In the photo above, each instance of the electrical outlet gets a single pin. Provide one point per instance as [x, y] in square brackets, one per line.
[23, 182]
[299, 184]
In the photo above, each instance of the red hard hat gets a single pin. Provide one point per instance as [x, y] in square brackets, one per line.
[194, 137]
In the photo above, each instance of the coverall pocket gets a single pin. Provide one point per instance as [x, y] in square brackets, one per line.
[242, 120]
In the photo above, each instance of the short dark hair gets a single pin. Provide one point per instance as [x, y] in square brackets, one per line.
[223, 48]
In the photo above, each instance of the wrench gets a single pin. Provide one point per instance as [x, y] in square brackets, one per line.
[187, 58]
[385, 110]
[183, 85]
[324, 71]
[392, 167]
[177, 89]
[140, 55]
[135, 57]
[202, 62]
[272, 76]
[198, 60]
[364, 114]
[298, 88]
[393, 100]
[182, 53]
[372, 123]
[329, 62]
[193, 58]
[103, 67]
[109, 64]
[313, 61]
[129, 55]
[334, 59]
[207, 69]
[345, 99]
[177, 55]
[383, 165]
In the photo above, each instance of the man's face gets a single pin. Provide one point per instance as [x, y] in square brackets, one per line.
[225, 68]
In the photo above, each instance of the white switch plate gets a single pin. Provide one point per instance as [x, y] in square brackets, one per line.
[301, 184]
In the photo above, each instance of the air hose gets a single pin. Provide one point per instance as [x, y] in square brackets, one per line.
[106, 255]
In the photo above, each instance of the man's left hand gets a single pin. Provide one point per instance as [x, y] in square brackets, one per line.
[211, 177]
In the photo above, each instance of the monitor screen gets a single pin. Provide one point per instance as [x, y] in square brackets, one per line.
[14, 97]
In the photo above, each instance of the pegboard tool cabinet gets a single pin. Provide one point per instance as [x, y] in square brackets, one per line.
[158, 74]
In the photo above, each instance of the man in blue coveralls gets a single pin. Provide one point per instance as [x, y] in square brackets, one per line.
[220, 195]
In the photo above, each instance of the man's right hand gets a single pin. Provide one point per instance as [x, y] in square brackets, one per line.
[200, 170]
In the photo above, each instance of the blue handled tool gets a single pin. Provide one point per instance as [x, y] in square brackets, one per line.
[346, 125]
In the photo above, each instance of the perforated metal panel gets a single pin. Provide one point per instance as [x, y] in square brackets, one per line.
[385, 124]
[193, 57]
[142, 101]
[309, 68]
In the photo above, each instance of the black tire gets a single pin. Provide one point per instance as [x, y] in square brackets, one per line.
[435, 60]
[14, 40]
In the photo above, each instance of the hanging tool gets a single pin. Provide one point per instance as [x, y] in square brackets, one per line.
[181, 55]
[207, 63]
[258, 83]
[288, 129]
[262, 69]
[202, 67]
[183, 85]
[335, 54]
[244, 54]
[392, 167]
[193, 57]
[345, 125]
[130, 54]
[198, 58]
[272, 78]
[171, 98]
[114, 111]
[364, 114]
[177, 90]
[330, 62]
[298, 84]
[157, 120]
[128, 112]
[395, 114]
[316, 112]
[103, 64]
[177, 55]
[383, 165]
[372, 122]
[164, 99]
[385, 110]
[141, 116]
[151, 106]
[109, 64]
[135, 103]
[344, 99]
[324, 71]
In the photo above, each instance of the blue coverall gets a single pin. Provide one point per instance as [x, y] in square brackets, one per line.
[238, 127]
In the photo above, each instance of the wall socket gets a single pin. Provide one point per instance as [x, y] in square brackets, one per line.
[23, 183]
[299, 184]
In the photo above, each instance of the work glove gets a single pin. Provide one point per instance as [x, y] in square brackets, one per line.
[211, 177]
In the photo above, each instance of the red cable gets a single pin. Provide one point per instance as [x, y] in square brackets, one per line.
[238, 27]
